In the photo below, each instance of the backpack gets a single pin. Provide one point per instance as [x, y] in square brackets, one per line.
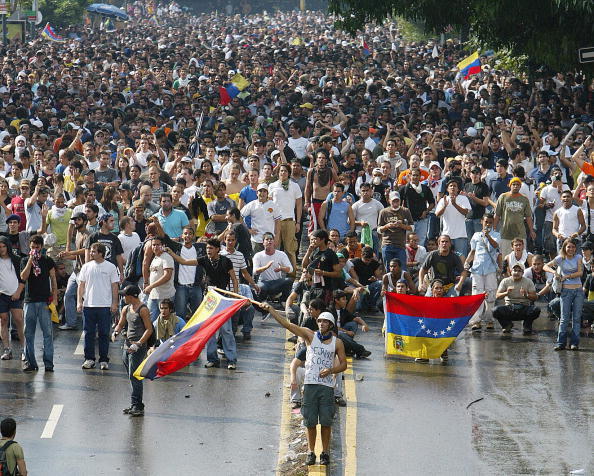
[4, 471]
[133, 268]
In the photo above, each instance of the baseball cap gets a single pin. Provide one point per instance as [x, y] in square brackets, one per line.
[394, 195]
[104, 217]
[307, 105]
[78, 215]
[262, 186]
[130, 290]
[13, 217]
[327, 316]
[519, 265]
[434, 164]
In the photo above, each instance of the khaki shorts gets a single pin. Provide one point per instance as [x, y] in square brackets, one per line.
[318, 405]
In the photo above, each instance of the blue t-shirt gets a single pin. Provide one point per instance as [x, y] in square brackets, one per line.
[248, 194]
[569, 266]
[173, 224]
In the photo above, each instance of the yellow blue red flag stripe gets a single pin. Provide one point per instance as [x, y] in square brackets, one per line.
[185, 347]
[470, 65]
[423, 327]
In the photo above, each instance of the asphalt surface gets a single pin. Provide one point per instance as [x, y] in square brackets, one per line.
[535, 416]
[197, 421]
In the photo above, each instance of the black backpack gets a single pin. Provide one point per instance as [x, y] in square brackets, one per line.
[133, 268]
[4, 471]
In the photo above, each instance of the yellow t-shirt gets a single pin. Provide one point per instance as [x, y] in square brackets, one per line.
[13, 454]
[201, 221]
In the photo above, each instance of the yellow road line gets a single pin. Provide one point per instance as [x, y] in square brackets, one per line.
[350, 441]
[285, 426]
[316, 470]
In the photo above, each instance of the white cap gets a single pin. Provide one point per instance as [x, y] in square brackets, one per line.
[394, 195]
[471, 132]
[327, 316]
[262, 186]
[434, 164]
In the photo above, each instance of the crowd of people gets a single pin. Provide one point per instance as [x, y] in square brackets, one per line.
[135, 172]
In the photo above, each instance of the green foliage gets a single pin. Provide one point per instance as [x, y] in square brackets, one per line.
[549, 32]
[413, 31]
[63, 12]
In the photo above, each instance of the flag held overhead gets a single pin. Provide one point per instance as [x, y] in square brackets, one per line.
[470, 65]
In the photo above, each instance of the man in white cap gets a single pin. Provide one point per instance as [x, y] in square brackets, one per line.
[265, 218]
[324, 359]
[393, 224]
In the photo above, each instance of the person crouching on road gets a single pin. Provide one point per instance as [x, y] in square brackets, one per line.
[136, 316]
[320, 370]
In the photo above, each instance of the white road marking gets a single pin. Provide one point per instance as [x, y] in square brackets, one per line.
[80, 348]
[52, 421]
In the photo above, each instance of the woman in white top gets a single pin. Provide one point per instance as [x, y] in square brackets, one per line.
[518, 255]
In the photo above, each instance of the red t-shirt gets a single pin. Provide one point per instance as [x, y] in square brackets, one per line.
[18, 208]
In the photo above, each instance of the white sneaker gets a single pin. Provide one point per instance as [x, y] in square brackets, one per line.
[88, 364]
[104, 366]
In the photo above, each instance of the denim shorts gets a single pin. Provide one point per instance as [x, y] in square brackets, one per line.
[6, 304]
[318, 405]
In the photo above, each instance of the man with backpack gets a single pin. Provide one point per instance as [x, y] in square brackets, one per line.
[135, 317]
[11, 453]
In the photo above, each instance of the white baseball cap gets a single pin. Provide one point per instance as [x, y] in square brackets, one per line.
[327, 316]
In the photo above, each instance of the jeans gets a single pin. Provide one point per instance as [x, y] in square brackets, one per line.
[433, 231]
[131, 362]
[97, 318]
[461, 246]
[229, 346]
[421, 229]
[70, 301]
[572, 301]
[185, 295]
[516, 312]
[390, 252]
[473, 225]
[371, 298]
[539, 218]
[38, 312]
[275, 286]
[246, 315]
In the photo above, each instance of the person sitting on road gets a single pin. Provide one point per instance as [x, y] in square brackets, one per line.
[167, 324]
[347, 324]
[519, 293]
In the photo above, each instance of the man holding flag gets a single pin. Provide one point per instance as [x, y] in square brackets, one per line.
[320, 370]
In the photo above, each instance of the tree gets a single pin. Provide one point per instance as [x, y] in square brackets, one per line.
[549, 32]
[63, 12]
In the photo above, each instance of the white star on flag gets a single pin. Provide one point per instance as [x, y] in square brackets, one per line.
[423, 326]
[420, 321]
[448, 328]
[452, 323]
[435, 334]
[442, 333]
[428, 331]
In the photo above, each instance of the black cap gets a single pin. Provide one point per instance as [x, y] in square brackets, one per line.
[79, 215]
[130, 290]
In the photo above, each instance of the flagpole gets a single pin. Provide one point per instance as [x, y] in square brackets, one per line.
[235, 295]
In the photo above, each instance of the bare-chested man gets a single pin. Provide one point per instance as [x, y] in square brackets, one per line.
[319, 184]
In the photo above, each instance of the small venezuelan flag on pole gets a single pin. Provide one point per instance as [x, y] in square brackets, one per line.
[470, 65]
[49, 33]
[423, 327]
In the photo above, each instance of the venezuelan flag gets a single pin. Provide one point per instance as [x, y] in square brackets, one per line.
[185, 347]
[49, 33]
[470, 65]
[418, 326]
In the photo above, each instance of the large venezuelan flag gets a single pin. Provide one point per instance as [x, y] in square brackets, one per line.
[470, 65]
[418, 326]
[184, 348]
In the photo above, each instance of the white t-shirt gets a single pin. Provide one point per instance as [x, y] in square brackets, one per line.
[454, 223]
[129, 242]
[263, 217]
[157, 269]
[568, 220]
[368, 212]
[550, 194]
[279, 258]
[98, 278]
[187, 274]
[8, 280]
[285, 199]
[299, 146]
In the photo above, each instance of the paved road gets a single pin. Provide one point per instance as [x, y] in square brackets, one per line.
[226, 426]
[536, 416]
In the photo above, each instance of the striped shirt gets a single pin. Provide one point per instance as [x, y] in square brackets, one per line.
[238, 262]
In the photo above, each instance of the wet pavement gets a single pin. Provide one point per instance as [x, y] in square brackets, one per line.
[196, 421]
[535, 416]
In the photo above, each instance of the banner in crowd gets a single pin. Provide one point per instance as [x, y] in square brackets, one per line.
[423, 327]
[184, 348]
